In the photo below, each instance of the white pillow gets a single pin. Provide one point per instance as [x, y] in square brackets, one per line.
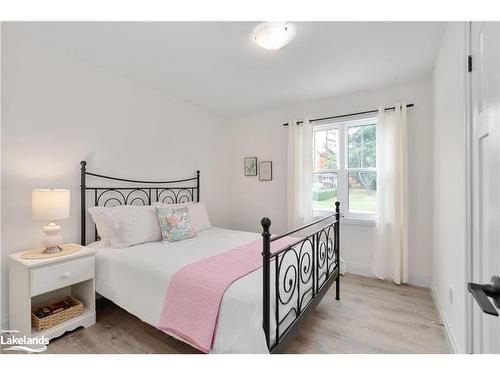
[124, 226]
[199, 217]
[197, 212]
[104, 228]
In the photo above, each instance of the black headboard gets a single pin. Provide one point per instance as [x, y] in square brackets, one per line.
[134, 192]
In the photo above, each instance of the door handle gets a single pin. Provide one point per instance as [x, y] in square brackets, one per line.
[481, 292]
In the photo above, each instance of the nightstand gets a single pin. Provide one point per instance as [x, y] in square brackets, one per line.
[33, 283]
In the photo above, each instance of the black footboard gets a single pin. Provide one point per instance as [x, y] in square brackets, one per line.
[296, 277]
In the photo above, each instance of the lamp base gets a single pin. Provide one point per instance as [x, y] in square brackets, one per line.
[52, 239]
[52, 250]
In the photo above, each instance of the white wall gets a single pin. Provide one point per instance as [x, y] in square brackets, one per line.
[263, 135]
[57, 111]
[450, 182]
[3, 314]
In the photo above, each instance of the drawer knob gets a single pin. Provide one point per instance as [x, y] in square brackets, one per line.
[66, 275]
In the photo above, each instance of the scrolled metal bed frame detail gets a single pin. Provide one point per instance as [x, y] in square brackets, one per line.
[301, 282]
[295, 277]
[148, 192]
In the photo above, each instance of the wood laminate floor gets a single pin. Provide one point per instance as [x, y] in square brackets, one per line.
[372, 316]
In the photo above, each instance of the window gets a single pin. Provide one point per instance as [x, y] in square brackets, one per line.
[326, 152]
[345, 168]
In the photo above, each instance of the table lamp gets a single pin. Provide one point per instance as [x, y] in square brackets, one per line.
[51, 205]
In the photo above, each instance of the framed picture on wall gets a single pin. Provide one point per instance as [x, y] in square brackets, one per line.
[266, 171]
[250, 165]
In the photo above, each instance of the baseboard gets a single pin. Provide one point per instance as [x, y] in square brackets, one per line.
[448, 332]
[366, 270]
[419, 281]
[358, 269]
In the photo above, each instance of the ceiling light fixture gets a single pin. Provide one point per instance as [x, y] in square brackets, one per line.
[273, 35]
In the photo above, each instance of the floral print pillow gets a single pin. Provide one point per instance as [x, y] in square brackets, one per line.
[175, 223]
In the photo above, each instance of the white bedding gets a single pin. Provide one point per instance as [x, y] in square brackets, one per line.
[136, 278]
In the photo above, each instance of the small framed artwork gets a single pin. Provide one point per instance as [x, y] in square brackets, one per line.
[250, 165]
[266, 171]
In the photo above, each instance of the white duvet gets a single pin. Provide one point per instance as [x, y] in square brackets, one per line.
[136, 278]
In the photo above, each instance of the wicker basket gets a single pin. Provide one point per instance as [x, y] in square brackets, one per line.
[57, 318]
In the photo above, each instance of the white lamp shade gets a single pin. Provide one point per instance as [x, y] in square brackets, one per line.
[50, 204]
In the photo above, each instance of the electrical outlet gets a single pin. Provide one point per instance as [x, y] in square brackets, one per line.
[450, 294]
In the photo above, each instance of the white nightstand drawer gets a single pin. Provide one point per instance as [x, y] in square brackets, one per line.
[59, 275]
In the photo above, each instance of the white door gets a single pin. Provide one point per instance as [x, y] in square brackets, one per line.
[485, 99]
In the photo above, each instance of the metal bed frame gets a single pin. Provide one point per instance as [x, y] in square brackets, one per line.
[301, 272]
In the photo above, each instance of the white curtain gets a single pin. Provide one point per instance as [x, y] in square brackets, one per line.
[299, 176]
[390, 260]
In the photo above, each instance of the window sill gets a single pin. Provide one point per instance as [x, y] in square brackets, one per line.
[358, 221]
[350, 220]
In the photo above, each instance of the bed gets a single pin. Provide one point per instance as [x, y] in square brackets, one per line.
[261, 312]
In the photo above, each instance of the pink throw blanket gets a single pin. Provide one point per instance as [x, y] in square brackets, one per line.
[193, 299]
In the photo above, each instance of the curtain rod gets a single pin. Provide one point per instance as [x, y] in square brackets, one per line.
[351, 114]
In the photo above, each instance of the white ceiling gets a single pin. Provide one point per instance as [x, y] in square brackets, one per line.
[215, 65]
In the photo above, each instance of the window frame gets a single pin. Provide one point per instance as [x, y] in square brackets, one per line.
[342, 171]
[340, 160]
